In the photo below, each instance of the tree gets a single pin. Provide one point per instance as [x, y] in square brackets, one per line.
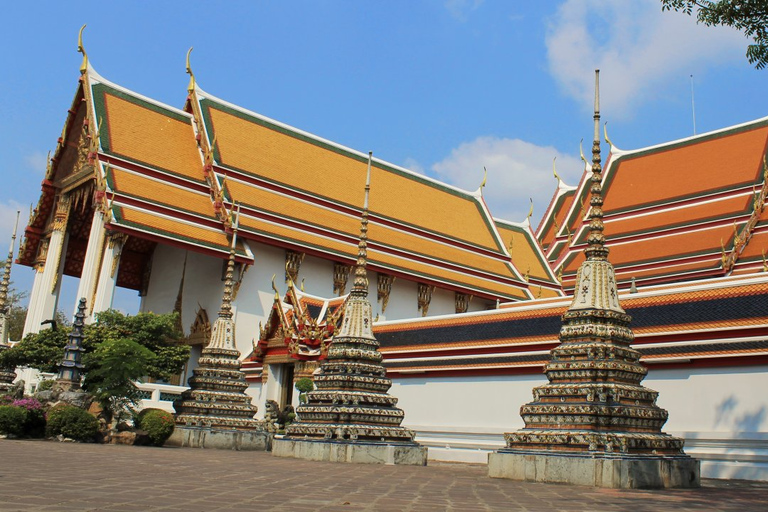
[114, 366]
[749, 16]
[119, 349]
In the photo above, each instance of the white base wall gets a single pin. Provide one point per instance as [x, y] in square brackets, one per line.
[722, 413]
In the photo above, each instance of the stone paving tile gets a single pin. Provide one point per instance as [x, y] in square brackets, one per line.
[50, 476]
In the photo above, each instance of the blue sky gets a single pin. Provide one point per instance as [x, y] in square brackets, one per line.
[443, 87]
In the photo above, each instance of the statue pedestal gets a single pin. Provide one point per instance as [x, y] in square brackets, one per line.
[599, 470]
[358, 452]
[220, 439]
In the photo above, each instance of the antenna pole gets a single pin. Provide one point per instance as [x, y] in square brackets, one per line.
[693, 107]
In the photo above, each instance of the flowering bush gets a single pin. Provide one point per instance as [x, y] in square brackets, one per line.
[158, 424]
[34, 424]
[30, 404]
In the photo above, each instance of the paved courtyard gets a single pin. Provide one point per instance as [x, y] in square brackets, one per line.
[48, 476]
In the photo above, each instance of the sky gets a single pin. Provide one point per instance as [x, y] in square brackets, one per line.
[442, 87]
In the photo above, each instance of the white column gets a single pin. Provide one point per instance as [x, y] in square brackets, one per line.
[110, 263]
[92, 264]
[50, 266]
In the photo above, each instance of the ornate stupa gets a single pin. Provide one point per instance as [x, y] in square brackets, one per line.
[594, 423]
[350, 417]
[7, 375]
[215, 412]
[71, 366]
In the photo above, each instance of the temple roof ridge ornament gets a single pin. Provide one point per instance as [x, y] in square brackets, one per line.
[479, 192]
[614, 151]
[192, 85]
[81, 49]
[562, 186]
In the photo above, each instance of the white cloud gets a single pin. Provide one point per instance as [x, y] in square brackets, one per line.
[412, 165]
[637, 47]
[460, 9]
[37, 162]
[517, 170]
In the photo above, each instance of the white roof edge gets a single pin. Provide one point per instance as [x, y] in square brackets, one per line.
[201, 94]
[691, 138]
[325, 300]
[93, 75]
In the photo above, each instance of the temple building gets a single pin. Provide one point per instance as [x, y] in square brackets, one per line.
[465, 307]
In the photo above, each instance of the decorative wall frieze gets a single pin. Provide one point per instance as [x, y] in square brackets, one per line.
[304, 369]
[383, 289]
[61, 216]
[293, 262]
[462, 302]
[42, 254]
[340, 278]
[424, 297]
[116, 241]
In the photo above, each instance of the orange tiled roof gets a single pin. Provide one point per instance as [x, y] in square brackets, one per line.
[670, 209]
[528, 257]
[305, 191]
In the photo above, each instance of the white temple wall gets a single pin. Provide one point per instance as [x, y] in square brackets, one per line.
[722, 413]
[443, 303]
[403, 301]
[255, 297]
[317, 275]
[167, 263]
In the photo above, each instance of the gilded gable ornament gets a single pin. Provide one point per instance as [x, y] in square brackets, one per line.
[424, 297]
[340, 278]
[293, 262]
[383, 289]
[462, 301]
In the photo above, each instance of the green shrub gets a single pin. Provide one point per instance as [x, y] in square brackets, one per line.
[35, 424]
[159, 425]
[304, 385]
[71, 422]
[12, 420]
[45, 385]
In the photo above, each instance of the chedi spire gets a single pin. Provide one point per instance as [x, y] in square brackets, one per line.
[7, 375]
[594, 423]
[350, 417]
[216, 401]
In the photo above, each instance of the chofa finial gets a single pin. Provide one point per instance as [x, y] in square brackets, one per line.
[191, 86]
[81, 49]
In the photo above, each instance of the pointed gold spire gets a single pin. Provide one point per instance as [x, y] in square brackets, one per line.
[191, 86]
[554, 171]
[360, 285]
[596, 249]
[81, 49]
[605, 135]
